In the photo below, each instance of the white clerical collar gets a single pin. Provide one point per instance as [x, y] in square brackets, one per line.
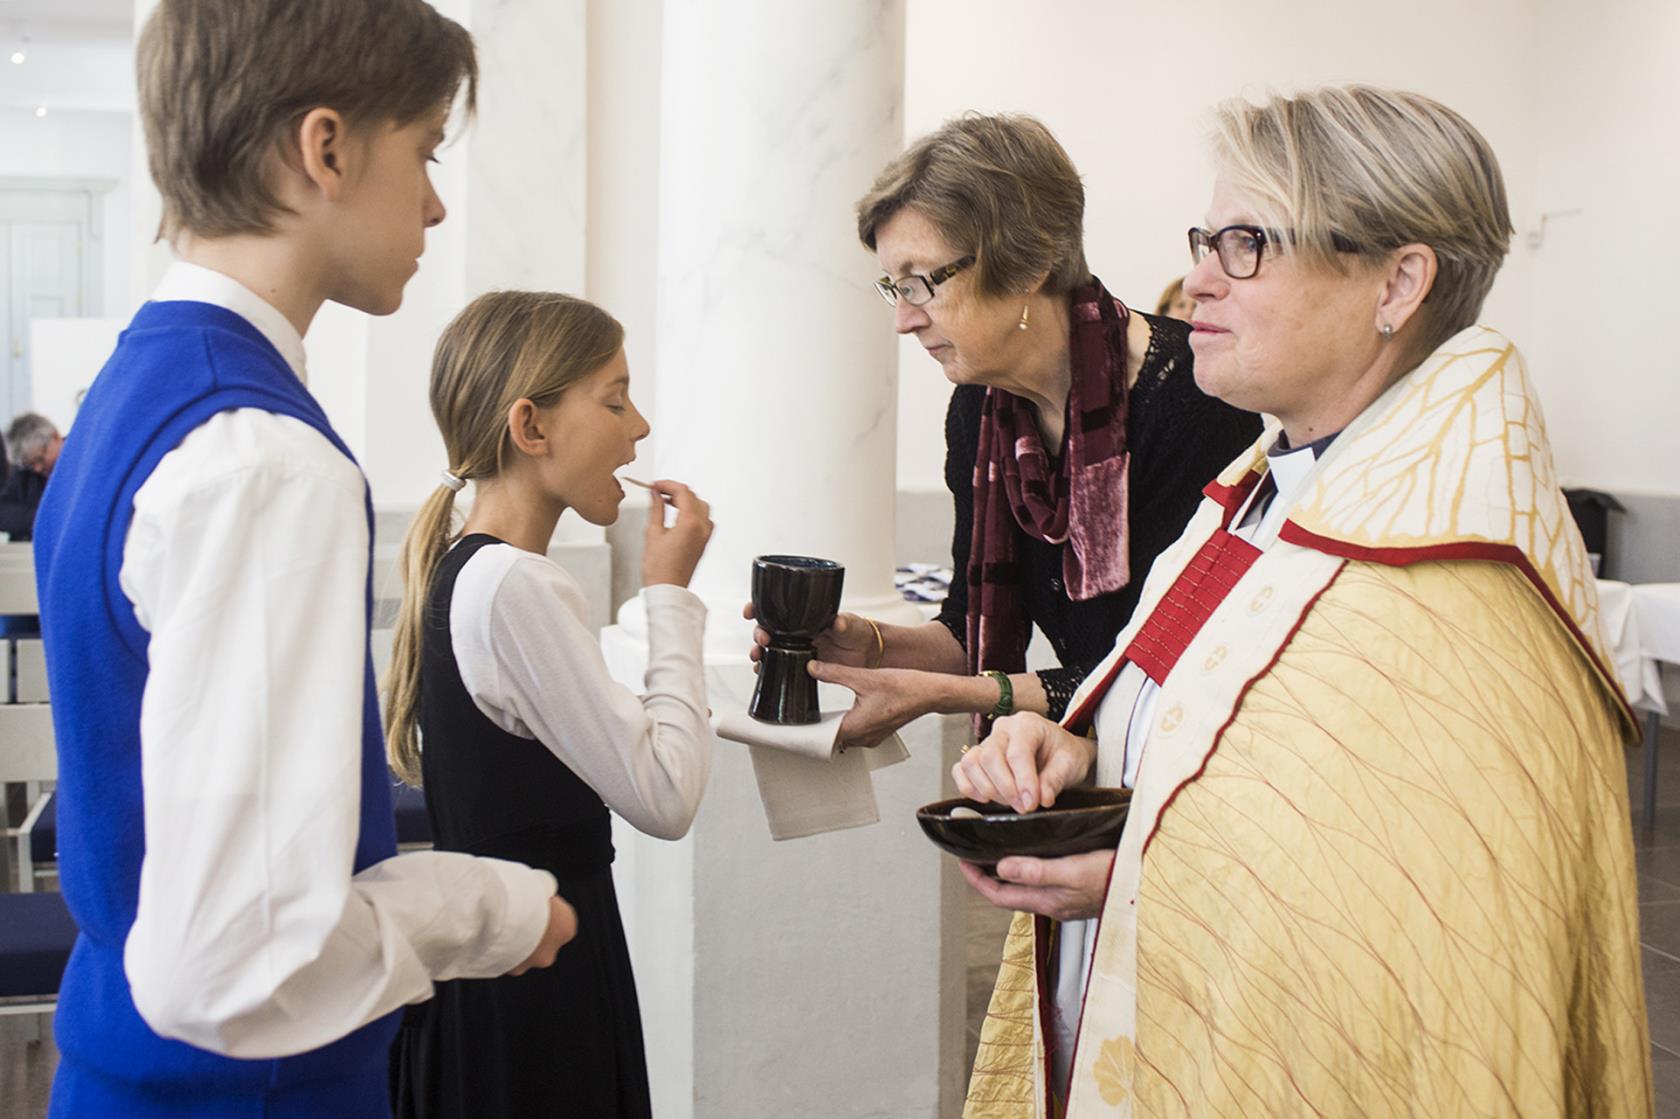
[196, 284]
[1289, 467]
[1287, 470]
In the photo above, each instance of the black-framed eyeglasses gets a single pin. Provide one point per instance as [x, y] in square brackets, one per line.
[917, 290]
[1240, 247]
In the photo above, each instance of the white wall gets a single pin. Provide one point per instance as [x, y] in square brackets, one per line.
[86, 145]
[68, 68]
[1126, 88]
[623, 154]
[1599, 337]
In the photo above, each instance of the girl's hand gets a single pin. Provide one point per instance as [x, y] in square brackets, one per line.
[849, 641]
[1024, 763]
[887, 698]
[670, 555]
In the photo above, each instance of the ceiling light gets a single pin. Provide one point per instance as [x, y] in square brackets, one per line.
[40, 110]
[18, 57]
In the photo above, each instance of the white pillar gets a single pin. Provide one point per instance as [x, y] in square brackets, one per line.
[818, 977]
[777, 363]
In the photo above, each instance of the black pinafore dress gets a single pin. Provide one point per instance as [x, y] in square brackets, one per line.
[565, 1041]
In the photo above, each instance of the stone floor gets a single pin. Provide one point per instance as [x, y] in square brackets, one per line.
[26, 1064]
[1658, 855]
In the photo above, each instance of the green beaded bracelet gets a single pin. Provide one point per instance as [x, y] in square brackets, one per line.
[1006, 694]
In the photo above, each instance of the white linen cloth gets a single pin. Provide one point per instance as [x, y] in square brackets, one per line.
[807, 785]
[1658, 605]
[247, 563]
[1625, 627]
[527, 658]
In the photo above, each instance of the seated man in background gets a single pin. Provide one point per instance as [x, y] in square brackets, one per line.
[34, 444]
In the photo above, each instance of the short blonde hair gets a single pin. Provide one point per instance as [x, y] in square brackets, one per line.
[1381, 168]
[1000, 187]
[504, 347]
[223, 82]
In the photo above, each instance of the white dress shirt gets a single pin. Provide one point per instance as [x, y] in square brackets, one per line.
[1258, 522]
[247, 563]
[533, 668]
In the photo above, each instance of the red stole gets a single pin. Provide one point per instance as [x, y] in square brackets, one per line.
[1206, 580]
[1189, 603]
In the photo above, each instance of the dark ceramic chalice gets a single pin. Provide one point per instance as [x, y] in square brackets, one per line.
[795, 598]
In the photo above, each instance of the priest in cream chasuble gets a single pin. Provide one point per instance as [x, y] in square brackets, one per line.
[1379, 859]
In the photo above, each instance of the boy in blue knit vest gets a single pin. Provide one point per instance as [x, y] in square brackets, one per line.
[248, 933]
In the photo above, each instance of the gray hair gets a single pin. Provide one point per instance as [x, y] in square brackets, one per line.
[1000, 187]
[28, 435]
[1382, 168]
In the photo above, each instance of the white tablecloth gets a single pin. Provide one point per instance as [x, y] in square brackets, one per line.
[1642, 622]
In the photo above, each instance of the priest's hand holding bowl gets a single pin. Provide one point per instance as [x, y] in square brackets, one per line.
[1025, 763]
[900, 673]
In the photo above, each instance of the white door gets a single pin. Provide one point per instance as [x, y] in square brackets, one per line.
[44, 235]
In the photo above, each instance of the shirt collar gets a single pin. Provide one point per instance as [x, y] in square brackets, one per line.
[1289, 466]
[196, 284]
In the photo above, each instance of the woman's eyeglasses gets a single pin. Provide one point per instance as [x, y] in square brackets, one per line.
[917, 290]
[1240, 247]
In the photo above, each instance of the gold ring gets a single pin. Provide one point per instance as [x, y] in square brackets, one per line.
[967, 748]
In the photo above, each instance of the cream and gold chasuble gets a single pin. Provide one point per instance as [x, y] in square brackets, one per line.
[1379, 860]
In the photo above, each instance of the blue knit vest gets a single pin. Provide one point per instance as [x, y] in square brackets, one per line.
[177, 365]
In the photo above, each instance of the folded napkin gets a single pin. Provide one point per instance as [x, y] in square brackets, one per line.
[808, 786]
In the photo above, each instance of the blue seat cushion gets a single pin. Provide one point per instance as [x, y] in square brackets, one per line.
[43, 840]
[36, 935]
[413, 825]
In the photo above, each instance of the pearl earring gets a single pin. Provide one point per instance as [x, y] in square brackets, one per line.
[1387, 331]
[1025, 310]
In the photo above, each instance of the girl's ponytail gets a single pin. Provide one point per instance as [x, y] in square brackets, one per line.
[422, 550]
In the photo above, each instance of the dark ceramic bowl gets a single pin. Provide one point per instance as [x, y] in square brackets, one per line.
[1082, 820]
[796, 597]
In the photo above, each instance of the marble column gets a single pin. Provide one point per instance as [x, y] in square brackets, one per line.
[812, 977]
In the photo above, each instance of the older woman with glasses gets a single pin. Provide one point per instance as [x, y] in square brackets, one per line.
[1379, 858]
[1077, 442]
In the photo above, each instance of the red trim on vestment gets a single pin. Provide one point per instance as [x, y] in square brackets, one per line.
[1232, 497]
[1077, 722]
[1462, 550]
[1206, 582]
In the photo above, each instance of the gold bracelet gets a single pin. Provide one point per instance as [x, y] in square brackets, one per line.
[880, 644]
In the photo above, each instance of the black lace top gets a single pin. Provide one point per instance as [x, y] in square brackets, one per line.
[1179, 440]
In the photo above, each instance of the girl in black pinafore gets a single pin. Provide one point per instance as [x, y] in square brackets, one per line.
[526, 745]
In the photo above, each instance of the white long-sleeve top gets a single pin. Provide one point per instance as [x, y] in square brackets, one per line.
[533, 668]
[247, 563]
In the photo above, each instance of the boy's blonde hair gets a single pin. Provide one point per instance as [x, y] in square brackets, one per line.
[504, 347]
[223, 83]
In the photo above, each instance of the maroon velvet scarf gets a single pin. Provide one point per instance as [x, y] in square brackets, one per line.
[1079, 502]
